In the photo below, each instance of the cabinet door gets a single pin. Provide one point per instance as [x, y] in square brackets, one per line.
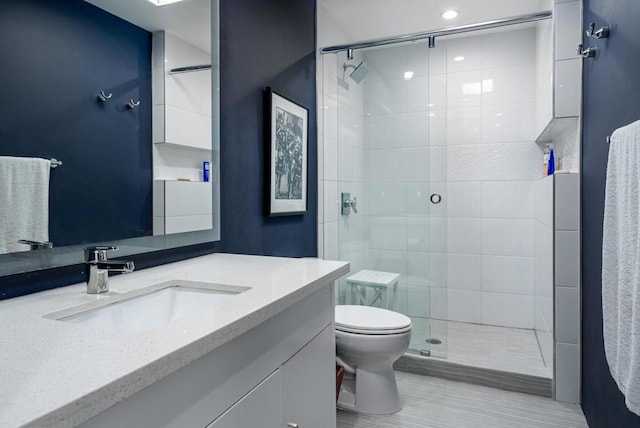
[308, 384]
[262, 407]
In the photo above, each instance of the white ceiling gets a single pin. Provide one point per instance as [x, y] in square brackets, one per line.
[190, 20]
[370, 19]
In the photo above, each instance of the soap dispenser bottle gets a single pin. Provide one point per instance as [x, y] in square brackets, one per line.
[552, 163]
[545, 160]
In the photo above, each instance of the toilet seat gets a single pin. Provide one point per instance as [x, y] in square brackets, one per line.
[369, 320]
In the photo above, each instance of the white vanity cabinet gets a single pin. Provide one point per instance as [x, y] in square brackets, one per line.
[295, 395]
[278, 374]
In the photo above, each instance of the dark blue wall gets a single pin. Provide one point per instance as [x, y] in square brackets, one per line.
[56, 57]
[264, 43]
[611, 90]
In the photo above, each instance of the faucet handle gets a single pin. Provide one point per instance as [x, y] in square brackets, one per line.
[98, 253]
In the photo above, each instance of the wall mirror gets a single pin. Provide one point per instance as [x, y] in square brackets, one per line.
[124, 95]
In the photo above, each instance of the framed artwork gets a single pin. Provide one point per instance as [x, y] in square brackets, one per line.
[287, 155]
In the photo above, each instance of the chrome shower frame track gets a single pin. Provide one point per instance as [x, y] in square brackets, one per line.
[431, 35]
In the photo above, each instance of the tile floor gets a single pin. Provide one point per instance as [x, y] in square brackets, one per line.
[501, 348]
[438, 403]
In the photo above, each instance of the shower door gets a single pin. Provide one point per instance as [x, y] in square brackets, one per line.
[390, 146]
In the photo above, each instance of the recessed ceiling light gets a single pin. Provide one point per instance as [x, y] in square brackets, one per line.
[459, 58]
[449, 14]
[408, 75]
[163, 2]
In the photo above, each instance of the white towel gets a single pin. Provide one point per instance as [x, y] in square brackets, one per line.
[24, 202]
[621, 263]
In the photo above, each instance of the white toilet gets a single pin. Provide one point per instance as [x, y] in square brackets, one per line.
[368, 341]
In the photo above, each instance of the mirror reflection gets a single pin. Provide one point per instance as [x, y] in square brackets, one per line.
[105, 121]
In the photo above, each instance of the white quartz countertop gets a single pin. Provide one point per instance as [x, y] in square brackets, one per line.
[59, 374]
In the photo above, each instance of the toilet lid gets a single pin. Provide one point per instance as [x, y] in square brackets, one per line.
[370, 320]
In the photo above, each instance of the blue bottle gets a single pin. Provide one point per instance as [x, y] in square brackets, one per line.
[205, 171]
[551, 168]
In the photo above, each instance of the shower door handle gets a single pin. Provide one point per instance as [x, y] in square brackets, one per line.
[435, 198]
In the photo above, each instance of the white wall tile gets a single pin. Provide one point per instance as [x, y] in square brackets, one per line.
[438, 58]
[567, 258]
[464, 126]
[508, 85]
[417, 59]
[464, 235]
[350, 127]
[508, 310]
[507, 237]
[489, 162]
[568, 88]
[385, 63]
[507, 199]
[464, 306]
[504, 124]
[437, 161]
[350, 236]
[464, 271]
[568, 22]
[543, 199]
[513, 275]
[464, 90]
[415, 160]
[568, 373]
[437, 128]
[438, 234]
[418, 269]
[464, 199]
[330, 159]
[385, 131]
[384, 199]
[330, 117]
[387, 233]
[507, 49]
[418, 233]
[567, 315]
[331, 251]
[417, 129]
[417, 199]
[350, 162]
[467, 48]
[418, 302]
[331, 204]
[437, 97]
[329, 74]
[384, 97]
[567, 202]
[439, 303]
[418, 96]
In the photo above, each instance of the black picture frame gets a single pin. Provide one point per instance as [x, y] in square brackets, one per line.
[287, 155]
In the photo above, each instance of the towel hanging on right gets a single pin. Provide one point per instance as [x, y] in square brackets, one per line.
[621, 263]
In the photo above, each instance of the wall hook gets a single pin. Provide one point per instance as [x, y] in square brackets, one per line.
[102, 97]
[132, 104]
[589, 52]
[602, 33]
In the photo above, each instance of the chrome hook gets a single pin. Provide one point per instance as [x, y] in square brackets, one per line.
[602, 33]
[589, 52]
[102, 97]
[133, 104]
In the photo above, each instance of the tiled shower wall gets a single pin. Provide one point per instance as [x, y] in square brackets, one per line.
[476, 114]
[461, 128]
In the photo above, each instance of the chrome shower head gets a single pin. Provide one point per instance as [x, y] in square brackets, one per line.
[359, 73]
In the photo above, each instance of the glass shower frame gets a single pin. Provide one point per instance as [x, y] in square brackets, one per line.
[391, 136]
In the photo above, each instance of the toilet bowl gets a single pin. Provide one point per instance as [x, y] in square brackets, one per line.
[368, 341]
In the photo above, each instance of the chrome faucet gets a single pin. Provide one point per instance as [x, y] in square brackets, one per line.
[97, 268]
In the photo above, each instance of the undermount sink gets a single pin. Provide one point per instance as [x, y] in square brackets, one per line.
[148, 308]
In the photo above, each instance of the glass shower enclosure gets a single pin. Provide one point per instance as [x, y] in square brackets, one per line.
[385, 124]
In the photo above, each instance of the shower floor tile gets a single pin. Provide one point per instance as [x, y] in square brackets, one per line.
[499, 348]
